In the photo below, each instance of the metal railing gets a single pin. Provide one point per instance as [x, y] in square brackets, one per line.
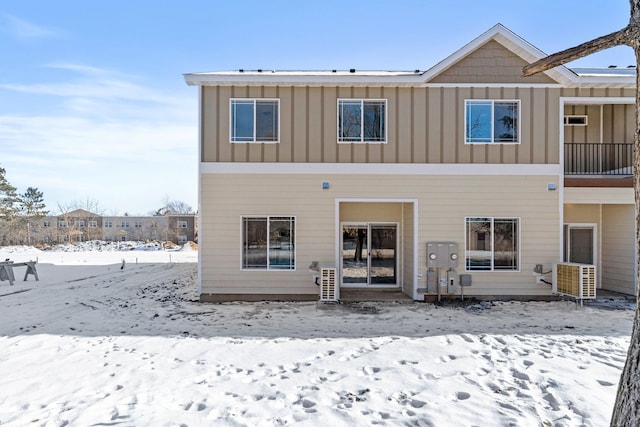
[591, 158]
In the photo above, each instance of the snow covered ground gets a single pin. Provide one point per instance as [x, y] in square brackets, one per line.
[94, 344]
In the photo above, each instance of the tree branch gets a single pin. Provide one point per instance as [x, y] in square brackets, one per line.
[623, 36]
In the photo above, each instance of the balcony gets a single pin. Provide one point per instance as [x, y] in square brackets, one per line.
[598, 164]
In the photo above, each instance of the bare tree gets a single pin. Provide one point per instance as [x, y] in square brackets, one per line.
[173, 207]
[626, 411]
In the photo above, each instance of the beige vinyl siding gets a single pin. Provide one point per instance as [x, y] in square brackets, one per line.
[582, 213]
[615, 242]
[370, 212]
[407, 245]
[618, 249]
[417, 129]
[443, 204]
[597, 195]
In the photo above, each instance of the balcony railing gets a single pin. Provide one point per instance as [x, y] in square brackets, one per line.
[589, 158]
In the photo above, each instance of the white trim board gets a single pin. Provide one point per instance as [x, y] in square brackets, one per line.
[252, 168]
[596, 100]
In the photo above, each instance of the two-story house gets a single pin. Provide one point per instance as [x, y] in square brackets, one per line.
[361, 170]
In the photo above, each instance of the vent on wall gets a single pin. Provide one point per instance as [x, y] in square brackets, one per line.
[576, 280]
[328, 285]
[575, 120]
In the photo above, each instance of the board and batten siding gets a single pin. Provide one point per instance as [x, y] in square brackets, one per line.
[443, 203]
[607, 123]
[424, 125]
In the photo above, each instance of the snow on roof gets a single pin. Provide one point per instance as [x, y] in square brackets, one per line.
[584, 77]
[605, 72]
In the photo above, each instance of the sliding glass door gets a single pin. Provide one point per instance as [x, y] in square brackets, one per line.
[369, 254]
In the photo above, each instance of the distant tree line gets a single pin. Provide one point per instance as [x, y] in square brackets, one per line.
[19, 212]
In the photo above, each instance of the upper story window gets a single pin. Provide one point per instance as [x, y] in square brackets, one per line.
[255, 120]
[124, 224]
[182, 224]
[78, 224]
[108, 224]
[362, 120]
[492, 122]
[62, 224]
[93, 224]
[137, 224]
[46, 223]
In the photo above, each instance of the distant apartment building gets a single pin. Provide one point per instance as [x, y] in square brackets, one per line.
[81, 225]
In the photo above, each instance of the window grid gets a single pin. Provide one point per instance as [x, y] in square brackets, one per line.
[268, 243]
[492, 121]
[362, 120]
[254, 130]
[481, 245]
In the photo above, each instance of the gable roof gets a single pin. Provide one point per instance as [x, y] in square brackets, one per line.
[510, 41]
[499, 33]
[79, 213]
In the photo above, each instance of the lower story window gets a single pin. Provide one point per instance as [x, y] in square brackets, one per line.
[492, 244]
[268, 243]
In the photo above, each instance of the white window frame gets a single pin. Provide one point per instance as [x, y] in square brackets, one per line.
[108, 224]
[46, 223]
[362, 102]
[493, 138]
[137, 224]
[124, 224]
[93, 224]
[182, 238]
[255, 140]
[62, 224]
[183, 224]
[268, 218]
[79, 223]
[493, 269]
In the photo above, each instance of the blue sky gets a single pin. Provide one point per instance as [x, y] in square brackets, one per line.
[93, 104]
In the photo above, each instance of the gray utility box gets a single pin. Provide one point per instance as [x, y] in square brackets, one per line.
[442, 255]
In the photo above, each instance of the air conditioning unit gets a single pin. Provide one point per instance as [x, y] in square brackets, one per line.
[576, 280]
[329, 291]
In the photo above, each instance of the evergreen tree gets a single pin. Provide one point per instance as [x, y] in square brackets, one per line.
[8, 198]
[31, 207]
[32, 203]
